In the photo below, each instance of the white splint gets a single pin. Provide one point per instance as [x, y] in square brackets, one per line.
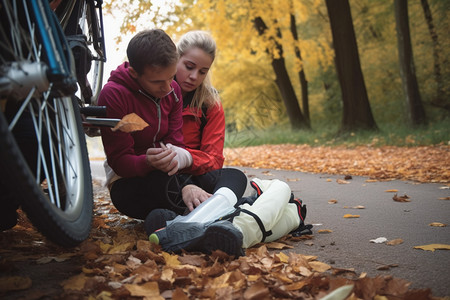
[277, 215]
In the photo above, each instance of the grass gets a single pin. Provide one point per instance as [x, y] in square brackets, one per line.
[435, 133]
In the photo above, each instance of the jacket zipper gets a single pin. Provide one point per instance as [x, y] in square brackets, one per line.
[158, 108]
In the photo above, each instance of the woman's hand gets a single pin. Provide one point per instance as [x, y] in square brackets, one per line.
[193, 196]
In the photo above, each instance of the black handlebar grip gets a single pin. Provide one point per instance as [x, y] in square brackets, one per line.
[94, 111]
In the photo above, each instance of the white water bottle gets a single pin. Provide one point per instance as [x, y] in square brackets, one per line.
[218, 205]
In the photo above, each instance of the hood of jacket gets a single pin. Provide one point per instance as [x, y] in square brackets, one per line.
[122, 76]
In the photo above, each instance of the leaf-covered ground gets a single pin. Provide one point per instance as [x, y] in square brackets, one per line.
[118, 262]
[422, 164]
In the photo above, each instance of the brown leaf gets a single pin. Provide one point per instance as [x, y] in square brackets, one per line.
[194, 260]
[14, 283]
[386, 267]
[178, 294]
[332, 201]
[324, 231]
[395, 242]
[256, 291]
[276, 245]
[76, 282]
[341, 181]
[129, 123]
[391, 191]
[404, 198]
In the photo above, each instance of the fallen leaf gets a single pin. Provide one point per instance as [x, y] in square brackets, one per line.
[293, 179]
[324, 231]
[437, 224]
[256, 291]
[391, 191]
[341, 181]
[444, 198]
[351, 216]
[433, 247]
[332, 201]
[171, 260]
[76, 282]
[319, 266]
[276, 245]
[395, 242]
[359, 207]
[371, 180]
[404, 198]
[148, 289]
[130, 123]
[338, 271]
[387, 267]
[14, 283]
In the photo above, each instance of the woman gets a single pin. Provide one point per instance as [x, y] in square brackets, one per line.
[203, 119]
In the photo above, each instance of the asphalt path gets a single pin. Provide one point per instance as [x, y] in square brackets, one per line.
[349, 245]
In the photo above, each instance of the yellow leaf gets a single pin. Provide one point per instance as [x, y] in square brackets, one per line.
[319, 266]
[149, 289]
[351, 216]
[332, 201]
[324, 231]
[391, 191]
[171, 260]
[120, 248]
[432, 247]
[437, 224]
[283, 257]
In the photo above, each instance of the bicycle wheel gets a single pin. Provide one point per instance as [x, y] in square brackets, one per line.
[42, 142]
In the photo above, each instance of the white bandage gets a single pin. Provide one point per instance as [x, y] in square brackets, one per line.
[183, 156]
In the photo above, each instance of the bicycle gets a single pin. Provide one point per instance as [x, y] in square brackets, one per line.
[44, 163]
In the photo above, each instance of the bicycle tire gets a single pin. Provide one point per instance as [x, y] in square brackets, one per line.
[42, 140]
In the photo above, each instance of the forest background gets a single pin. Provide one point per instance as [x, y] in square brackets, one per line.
[319, 71]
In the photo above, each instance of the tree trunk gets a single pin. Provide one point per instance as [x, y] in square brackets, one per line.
[283, 82]
[301, 73]
[357, 113]
[439, 100]
[416, 112]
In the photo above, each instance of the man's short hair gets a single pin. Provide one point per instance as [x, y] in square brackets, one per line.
[153, 48]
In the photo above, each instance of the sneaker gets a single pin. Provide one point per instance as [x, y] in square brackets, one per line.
[202, 237]
[302, 229]
[157, 219]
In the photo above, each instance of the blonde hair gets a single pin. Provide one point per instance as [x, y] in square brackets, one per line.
[205, 94]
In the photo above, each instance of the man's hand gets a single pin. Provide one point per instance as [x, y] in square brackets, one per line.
[193, 196]
[162, 159]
